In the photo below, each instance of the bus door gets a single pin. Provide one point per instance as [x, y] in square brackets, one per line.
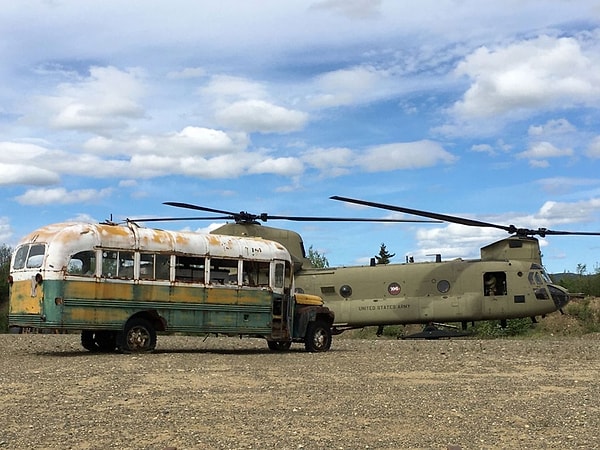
[27, 295]
[281, 284]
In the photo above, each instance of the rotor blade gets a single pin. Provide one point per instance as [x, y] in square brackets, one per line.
[264, 216]
[543, 232]
[199, 208]
[469, 222]
[173, 219]
[347, 219]
[431, 215]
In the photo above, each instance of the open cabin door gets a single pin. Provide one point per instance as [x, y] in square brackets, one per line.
[281, 284]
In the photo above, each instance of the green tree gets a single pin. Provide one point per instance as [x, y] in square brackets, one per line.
[384, 256]
[317, 259]
[5, 253]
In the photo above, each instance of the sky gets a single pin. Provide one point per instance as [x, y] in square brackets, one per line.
[484, 110]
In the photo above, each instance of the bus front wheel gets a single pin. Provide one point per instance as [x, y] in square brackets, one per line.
[318, 337]
[139, 336]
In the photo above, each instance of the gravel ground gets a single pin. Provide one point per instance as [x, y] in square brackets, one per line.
[227, 393]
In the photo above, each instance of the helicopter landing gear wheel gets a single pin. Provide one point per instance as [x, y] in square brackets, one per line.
[318, 337]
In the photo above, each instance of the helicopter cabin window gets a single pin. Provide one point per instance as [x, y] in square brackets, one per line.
[82, 264]
[154, 266]
[494, 283]
[256, 273]
[224, 271]
[189, 269]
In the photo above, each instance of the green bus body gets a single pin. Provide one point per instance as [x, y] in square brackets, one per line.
[120, 285]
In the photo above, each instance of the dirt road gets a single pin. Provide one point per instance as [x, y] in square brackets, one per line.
[226, 393]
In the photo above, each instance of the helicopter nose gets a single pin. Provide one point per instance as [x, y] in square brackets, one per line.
[560, 296]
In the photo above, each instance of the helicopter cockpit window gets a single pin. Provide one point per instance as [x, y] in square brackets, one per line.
[535, 278]
[494, 283]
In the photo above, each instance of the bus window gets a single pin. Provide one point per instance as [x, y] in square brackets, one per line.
[279, 275]
[21, 257]
[162, 267]
[117, 264]
[82, 264]
[189, 269]
[147, 266]
[109, 264]
[154, 266]
[36, 256]
[224, 271]
[126, 265]
[256, 273]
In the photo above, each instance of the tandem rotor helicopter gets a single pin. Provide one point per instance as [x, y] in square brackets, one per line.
[508, 281]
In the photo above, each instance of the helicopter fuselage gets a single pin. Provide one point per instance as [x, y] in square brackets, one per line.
[451, 291]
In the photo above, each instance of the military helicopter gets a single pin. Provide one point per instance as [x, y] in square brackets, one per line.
[507, 282]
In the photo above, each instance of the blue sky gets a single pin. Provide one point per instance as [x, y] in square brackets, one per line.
[487, 110]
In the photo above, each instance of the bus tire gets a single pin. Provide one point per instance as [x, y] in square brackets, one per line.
[318, 337]
[279, 346]
[139, 336]
[99, 341]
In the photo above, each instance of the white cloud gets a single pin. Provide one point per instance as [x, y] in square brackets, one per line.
[333, 161]
[404, 155]
[261, 116]
[26, 174]
[281, 166]
[228, 88]
[200, 140]
[6, 232]
[353, 9]
[188, 72]
[483, 148]
[545, 72]
[552, 127]
[61, 196]
[539, 152]
[350, 86]
[593, 149]
[107, 99]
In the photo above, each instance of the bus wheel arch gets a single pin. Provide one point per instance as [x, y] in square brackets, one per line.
[138, 335]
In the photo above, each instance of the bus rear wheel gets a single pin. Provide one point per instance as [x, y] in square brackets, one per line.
[99, 340]
[139, 336]
[279, 346]
[318, 337]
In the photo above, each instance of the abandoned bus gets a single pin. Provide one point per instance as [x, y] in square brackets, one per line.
[120, 285]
